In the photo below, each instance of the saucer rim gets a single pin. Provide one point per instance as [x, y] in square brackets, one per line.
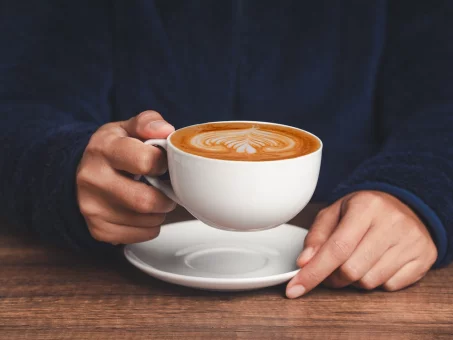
[149, 269]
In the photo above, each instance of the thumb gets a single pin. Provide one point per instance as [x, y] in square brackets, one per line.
[147, 125]
[320, 231]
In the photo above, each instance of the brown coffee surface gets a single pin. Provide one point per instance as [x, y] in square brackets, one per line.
[243, 141]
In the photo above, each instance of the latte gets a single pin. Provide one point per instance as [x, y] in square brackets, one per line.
[244, 141]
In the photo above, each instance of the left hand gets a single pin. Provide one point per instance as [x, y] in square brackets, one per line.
[367, 239]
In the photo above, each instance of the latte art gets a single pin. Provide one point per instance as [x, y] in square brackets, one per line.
[243, 141]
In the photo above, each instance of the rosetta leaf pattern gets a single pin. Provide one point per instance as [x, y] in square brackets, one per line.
[250, 141]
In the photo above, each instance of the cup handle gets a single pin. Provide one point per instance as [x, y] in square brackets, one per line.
[155, 181]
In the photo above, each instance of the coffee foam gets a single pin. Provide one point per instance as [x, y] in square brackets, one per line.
[244, 141]
[249, 141]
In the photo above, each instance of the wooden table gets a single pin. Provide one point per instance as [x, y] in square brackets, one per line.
[49, 293]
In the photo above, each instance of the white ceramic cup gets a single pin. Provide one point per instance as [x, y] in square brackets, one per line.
[239, 195]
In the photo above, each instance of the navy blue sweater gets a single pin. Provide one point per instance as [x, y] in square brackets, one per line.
[373, 79]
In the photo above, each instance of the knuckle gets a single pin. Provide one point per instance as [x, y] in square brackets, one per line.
[369, 254]
[93, 175]
[372, 197]
[147, 115]
[389, 286]
[368, 282]
[312, 276]
[144, 201]
[97, 234]
[88, 209]
[413, 234]
[93, 149]
[144, 162]
[314, 242]
[106, 128]
[322, 213]
[104, 147]
[349, 272]
[313, 238]
[340, 249]
[97, 142]
[368, 199]
[398, 218]
[115, 156]
[83, 177]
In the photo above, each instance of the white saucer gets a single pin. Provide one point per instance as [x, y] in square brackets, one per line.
[195, 255]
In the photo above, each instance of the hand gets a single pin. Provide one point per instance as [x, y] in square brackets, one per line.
[116, 208]
[367, 239]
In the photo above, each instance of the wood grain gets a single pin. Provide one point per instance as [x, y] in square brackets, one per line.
[50, 293]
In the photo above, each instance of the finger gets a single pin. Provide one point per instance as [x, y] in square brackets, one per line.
[338, 248]
[131, 155]
[321, 229]
[367, 254]
[121, 234]
[409, 274]
[103, 182]
[139, 197]
[146, 125]
[387, 266]
[121, 216]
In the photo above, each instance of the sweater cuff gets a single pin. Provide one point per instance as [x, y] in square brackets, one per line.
[76, 227]
[56, 215]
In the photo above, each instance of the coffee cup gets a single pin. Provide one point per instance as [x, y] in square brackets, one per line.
[240, 175]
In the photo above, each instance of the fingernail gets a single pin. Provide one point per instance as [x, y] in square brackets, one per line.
[157, 125]
[295, 291]
[306, 255]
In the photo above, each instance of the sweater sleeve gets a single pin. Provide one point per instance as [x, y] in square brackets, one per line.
[55, 82]
[414, 118]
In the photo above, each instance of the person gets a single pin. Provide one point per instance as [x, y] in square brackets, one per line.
[83, 83]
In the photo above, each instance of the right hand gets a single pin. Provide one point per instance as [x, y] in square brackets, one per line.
[117, 209]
